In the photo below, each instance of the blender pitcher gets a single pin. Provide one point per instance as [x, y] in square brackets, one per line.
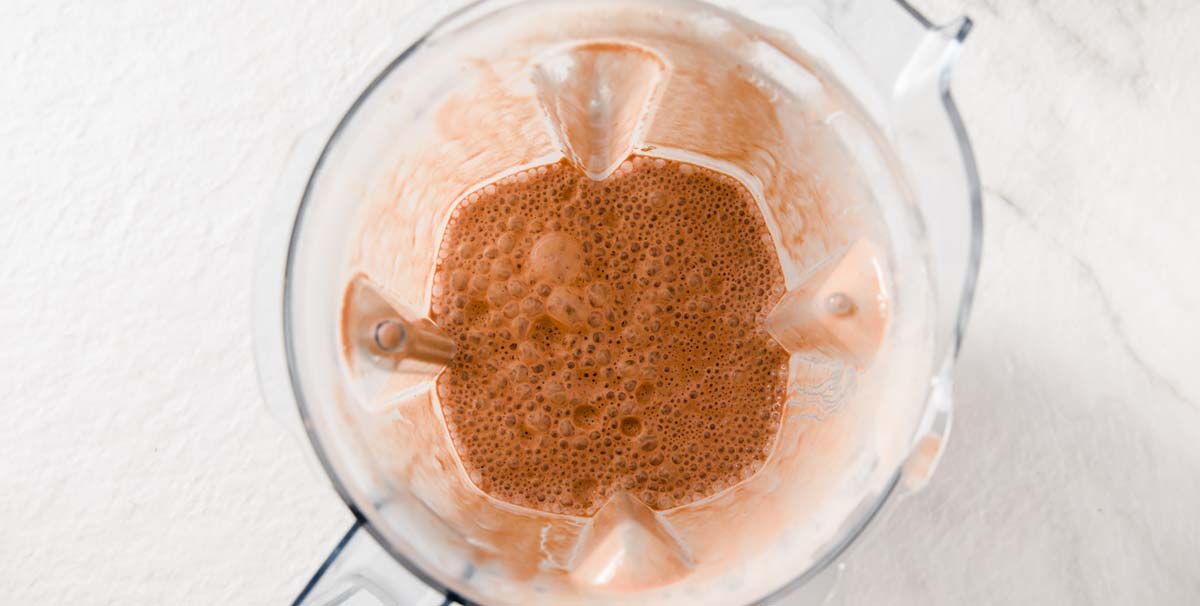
[835, 116]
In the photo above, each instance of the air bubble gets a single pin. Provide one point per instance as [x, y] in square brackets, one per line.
[532, 307]
[566, 308]
[497, 294]
[631, 426]
[556, 257]
[505, 243]
[585, 415]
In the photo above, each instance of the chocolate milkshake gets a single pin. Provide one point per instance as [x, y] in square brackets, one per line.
[610, 335]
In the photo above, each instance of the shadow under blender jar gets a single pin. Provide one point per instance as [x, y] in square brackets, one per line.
[836, 118]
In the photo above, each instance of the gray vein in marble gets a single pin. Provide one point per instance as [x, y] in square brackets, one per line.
[1108, 309]
[1137, 7]
[989, 6]
[1134, 74]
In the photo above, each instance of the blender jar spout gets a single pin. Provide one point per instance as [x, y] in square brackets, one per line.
[933, 57]
[893, 44]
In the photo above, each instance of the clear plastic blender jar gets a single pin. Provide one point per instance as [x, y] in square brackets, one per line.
[838, 119]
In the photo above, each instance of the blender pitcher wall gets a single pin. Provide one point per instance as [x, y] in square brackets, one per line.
[450, 119]
[491, 91]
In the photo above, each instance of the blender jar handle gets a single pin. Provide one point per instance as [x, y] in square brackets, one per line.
[358, 572]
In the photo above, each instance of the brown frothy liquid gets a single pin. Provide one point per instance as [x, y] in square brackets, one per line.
[610, 335]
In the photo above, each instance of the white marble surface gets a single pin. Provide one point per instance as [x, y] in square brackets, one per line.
[139, 140]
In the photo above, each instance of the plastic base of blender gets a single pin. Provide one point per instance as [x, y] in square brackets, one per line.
[358, 572]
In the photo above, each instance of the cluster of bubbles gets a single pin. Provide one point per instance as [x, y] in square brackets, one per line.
[610, 335]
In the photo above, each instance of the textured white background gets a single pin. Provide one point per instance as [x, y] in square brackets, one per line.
[141, 139]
